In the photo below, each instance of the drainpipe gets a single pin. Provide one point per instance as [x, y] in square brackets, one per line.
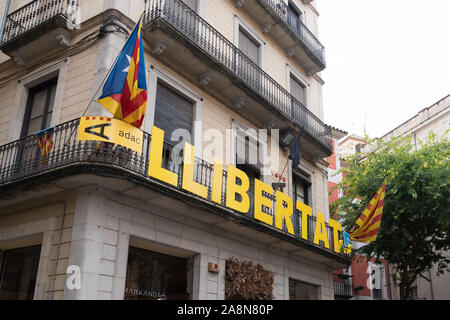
[5, 15]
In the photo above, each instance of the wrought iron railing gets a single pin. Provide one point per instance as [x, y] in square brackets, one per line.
[377, 294]
[34, 14]
[343, 288]
[24, 158]
[217, 47]
[299, 29]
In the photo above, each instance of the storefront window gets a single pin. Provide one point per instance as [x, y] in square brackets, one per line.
[302, 291]
[18, 273]
[155, 276]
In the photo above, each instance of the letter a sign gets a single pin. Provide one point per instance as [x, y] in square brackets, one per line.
[110, 130]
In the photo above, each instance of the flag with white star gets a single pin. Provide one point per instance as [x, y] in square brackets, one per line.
[125, 90]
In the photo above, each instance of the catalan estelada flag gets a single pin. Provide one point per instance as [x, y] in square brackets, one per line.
[45, 142]
[125, 91]
[370, 220]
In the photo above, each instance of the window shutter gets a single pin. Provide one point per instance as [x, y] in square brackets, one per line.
[176, 6]
[172, 111]
[249, 47]
[298, 91]
[191, 4]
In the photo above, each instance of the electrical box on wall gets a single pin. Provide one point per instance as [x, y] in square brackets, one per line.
[213, 267]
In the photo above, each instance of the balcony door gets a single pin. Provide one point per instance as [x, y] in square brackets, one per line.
[176, 5]
[249, 46]
[251, 49]
[294, 18]
[38, 116]
[298, 91]
[302, 188]
[174, 113]
[39, 110]
[184, 13]
[247, 157]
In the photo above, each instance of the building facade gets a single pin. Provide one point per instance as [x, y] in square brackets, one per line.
[85, 220]
[352, 282]
[436, 119]
[363, 279]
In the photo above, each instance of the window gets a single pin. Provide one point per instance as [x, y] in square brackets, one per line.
[190, 3]
[248, 148]
[302, 291]
[247, 155]
[249, 46]
[155, 276]
[173, 111]
[294, 17]
[302, 186]
[18, 273]
[38, 114]
[302, 192]
[247, 161]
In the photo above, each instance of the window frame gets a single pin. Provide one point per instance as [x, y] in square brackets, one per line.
[28, 109]
[171, 81]
[239, 24]
[3, 262]
[292, 72]
[299, 9]
[296, 281]
[237, 125]
[33, 79]
[303, 173]
[162, 256]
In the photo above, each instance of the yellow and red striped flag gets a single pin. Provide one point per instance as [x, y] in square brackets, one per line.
[370, 220]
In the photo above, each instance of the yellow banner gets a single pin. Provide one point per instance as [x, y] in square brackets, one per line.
[111, 130]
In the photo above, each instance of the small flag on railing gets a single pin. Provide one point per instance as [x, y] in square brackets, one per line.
[370, 220]
[45, 142]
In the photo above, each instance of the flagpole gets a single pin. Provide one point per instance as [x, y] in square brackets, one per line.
[112, 66]
[107, 75]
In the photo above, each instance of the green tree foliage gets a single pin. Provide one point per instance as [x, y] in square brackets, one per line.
[415, 226]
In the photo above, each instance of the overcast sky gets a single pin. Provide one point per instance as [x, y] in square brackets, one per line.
[386, 60]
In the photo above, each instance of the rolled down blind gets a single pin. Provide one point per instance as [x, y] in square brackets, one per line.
[298, 91]
[175, 6]
[249, 47]
[191, 4]
[172, 111]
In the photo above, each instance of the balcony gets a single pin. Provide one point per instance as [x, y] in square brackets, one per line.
[37, 27]
[190, 45]
[23, 170]
[343, 289]
[278, 20]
